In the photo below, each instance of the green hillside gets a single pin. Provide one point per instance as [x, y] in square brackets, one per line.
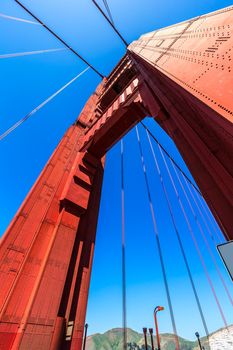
[113, 340]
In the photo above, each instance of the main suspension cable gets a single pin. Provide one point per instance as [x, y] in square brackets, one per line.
[193, 238]
[158, 243]
[18, 19]
[28, 53]
[171, 158]
[178, 235]
[59, 38]
[21, 121]
[111, 23]
[124, 311]
[203, 236]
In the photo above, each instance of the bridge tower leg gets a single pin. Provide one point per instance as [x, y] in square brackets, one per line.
[46, 253]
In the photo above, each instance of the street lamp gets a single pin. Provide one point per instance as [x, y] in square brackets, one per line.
[85, 336]
[144, 332]
[151, 337]
[157, 309]
[199, 341]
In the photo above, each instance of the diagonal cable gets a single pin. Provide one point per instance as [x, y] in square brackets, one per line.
[59, 38]
[21, 121]
[158, 243]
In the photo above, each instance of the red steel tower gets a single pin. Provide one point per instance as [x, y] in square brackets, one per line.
[182, 76]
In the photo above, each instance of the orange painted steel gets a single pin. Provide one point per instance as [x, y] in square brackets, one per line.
[182, 77]
[188, 71]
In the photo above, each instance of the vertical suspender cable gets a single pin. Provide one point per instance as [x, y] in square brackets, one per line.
[188, 180]
[200, 212]
[110, 22]
[108, 11]
[206, 211]
[158, 243]
[172, 159]
[204, 237]
[178, 237]
[194, 239]
[124, 312]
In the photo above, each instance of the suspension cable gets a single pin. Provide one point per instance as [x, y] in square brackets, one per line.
[158, 243]
[124, 311]
[178, 236]
[194, 239]
[111, 23]
[171, 158]
[28, 53]
[59, 38]
[18, 19]
[108, 11]
[203, 236]
[21, 121]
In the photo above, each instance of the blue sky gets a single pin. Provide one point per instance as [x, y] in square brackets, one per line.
[26, 82]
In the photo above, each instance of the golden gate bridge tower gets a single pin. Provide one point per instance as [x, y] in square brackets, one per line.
[182, 77]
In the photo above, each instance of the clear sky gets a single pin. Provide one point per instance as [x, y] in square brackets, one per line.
[26, 82]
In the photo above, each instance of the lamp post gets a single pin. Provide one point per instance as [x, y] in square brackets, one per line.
[157, 309]
[85, 336]
[145, 338]
[198, 339]
[151, 338]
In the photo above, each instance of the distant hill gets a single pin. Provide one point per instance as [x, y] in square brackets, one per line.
[112, 340]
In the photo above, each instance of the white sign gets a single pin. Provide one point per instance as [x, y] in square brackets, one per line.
[226, 252]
